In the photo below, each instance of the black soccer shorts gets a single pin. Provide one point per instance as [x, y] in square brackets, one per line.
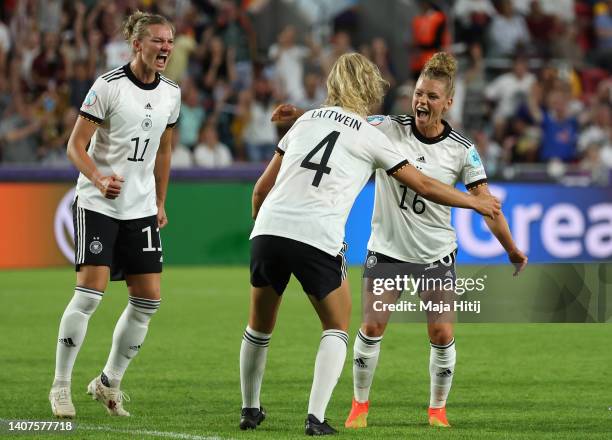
[128, 247]
[274, 259]
[378, 265]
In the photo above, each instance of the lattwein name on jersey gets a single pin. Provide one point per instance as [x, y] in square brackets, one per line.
[338, 117]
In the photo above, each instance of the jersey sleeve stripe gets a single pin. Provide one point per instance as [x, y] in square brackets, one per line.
[476, 184]
[112, 72]
[279, 151]
[397, 167]
[116, 77]
[170, 83]
[463, 142]
[171, 125]
[90, 118]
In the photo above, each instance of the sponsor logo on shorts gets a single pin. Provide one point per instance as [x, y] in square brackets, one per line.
[371, 261]
[95, 247]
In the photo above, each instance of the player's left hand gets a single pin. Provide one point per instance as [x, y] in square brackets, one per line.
[518, 259]
[162, 220]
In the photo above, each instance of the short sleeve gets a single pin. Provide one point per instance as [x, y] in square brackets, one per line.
[95, 106]
[173, 119]
[473, 172]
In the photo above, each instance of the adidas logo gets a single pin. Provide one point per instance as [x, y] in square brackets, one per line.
[67, 342]
[445, 373]
[421, 159]
[148, 106]
[359, 362]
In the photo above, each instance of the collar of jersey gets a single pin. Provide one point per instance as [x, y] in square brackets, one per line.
[137, 82]
[434, 140]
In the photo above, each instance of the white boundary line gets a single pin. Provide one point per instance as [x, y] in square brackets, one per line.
[166, 434]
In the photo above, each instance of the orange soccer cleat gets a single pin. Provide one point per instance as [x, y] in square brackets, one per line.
[358, 418]
[437, 417]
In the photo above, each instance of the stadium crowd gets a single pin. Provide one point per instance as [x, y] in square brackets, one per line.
[534, 82]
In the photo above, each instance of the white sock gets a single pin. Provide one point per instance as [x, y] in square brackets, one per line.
[128, 337]
[72, 330]
[441, 370]
[253, 354]
[328, 367]
[365, 358]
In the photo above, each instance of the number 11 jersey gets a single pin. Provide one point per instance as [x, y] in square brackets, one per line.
[328, 156]
[131, 118]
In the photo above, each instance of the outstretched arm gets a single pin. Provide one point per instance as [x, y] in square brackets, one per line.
[443, 194]
[499, 227]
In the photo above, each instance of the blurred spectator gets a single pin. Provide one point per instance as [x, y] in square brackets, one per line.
[508, 32]
[489, 151]
[314, 92]
[49, 67]
[508, 91]
[181, 155]
[472, 19]
[184, 45]
[603, 32]
[289, 62]
[599, 131]
[19, 134]
[429, 35]
[55, 140]
[403, 100]
[543, 28]
[561, 9]
[256, 109]
[79, 83]
[339, 45]
[210, 153]
[236, 30]
[474, 111]
[5, 97]
[559, 127]
[192, 116]
[5, 45]
[218, 65]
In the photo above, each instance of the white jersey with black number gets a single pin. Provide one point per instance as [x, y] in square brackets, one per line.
[405, 226]
[329, 155]
[131, 117]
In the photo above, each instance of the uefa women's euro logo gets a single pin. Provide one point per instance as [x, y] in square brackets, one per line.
[63, 226]
[90, 99]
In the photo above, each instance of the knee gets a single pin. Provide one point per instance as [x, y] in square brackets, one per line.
[152, 292]
[373, 329]
[440, 335]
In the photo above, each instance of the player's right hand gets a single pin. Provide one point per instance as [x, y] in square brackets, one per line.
[285, 113]
[110, 186]
[487, 205]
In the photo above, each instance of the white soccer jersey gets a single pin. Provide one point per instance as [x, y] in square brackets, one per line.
[329, 155]
[131, 116]
[405, 226]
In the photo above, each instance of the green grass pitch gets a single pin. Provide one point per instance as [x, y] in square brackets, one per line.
[513, 381]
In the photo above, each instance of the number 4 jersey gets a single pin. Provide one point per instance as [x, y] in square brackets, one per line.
[404, 225]
[329, 155]
[131, 117]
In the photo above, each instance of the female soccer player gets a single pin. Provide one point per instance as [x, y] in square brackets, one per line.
[301, 203]
[412, 237]
[121, 145]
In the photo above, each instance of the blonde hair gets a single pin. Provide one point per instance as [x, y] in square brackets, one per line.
[443, 67]
[355, 83]
[136, 25]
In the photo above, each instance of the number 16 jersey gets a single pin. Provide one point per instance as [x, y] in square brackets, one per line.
[131, 117]
[329, 155]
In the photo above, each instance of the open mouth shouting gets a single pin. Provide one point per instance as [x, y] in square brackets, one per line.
[161, 60]
[422, 113]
